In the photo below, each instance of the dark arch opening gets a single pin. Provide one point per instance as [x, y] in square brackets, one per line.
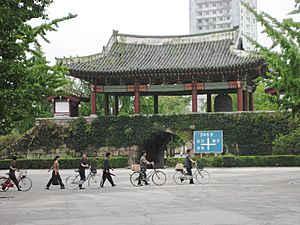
[155, 147]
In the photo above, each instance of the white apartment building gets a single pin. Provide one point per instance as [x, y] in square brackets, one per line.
[215, 15]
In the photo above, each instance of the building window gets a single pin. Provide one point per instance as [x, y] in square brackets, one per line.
[228, 18]
[214, 5]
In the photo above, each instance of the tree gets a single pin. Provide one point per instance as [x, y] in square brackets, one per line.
[283, 57]
[25, 76]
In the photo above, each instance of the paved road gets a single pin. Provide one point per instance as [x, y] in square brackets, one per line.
[235, 196]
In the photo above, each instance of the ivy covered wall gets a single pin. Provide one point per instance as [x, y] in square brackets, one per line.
[244, 133]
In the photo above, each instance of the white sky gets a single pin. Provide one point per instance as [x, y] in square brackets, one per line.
[96, 19]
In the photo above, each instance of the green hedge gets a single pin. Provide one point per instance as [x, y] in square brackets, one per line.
[68, 163]
[242, 161]
[288, 144]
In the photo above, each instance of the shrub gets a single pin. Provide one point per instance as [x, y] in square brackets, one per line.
[243, 161]
[67, 163]
[287, 144]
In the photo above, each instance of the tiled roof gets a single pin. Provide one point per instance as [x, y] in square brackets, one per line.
[128, 54]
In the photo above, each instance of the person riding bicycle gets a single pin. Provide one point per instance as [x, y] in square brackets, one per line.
[12, 172]
[188, 164]
[83, 165]
[143, 164]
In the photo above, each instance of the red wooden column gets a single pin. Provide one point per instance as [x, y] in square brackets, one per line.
[93, 101]
[116, 108]
[208, 102]
[240, 99]
[106, 104]
[251, 101]
[137, 99]
[155, 97]
[194, 97]
[245, 100]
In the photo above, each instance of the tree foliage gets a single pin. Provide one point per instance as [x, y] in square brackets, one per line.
[26, 78]
[283, 57]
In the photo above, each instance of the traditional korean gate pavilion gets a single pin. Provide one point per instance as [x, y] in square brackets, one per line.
[134, 65]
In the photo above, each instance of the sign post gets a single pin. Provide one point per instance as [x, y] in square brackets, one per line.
[208, 141]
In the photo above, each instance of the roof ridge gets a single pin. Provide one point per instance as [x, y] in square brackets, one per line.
[116, 33]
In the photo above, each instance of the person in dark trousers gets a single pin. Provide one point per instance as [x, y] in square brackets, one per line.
[143, 163]
[12, 172]
[55, 174]
[83, 165]
[106, 174]
[188, 164]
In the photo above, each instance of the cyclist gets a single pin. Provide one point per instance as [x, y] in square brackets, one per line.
[83, 165]
[12, 172]
[188, 164]
[143, 163]
[106, 174]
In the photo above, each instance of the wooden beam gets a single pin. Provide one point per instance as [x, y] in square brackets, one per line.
[208, 103]
[137, 100]
[240, 99]
[93, 101]
[106, 104]
[155, 98]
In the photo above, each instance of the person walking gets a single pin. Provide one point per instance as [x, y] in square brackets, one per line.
[83, 165]
[143, 164]
[106, 174]
[55, 179]
[12, 172]
[188, 164]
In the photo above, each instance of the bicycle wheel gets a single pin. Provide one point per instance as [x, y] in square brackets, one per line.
[203, 176]
[179, 178]
[135, 177]
[25, 184]
[2, 182]
[73, 182]
[94, 181]
[159, 178]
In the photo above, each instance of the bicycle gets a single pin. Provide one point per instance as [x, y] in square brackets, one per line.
[24, 182]
[93, 179]
[157, 176]
[201, 175]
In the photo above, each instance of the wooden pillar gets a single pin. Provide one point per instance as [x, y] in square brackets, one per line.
[194, 98]
[251, 101]
[155, 97]
[136, 100]
[245, 100]
[240, 99]
[208, 102]
[93, 101]
[106, 104]
[116, 106]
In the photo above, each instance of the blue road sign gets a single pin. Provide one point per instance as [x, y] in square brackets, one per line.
[208, 141]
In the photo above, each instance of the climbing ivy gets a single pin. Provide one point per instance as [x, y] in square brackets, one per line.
[244, 133]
